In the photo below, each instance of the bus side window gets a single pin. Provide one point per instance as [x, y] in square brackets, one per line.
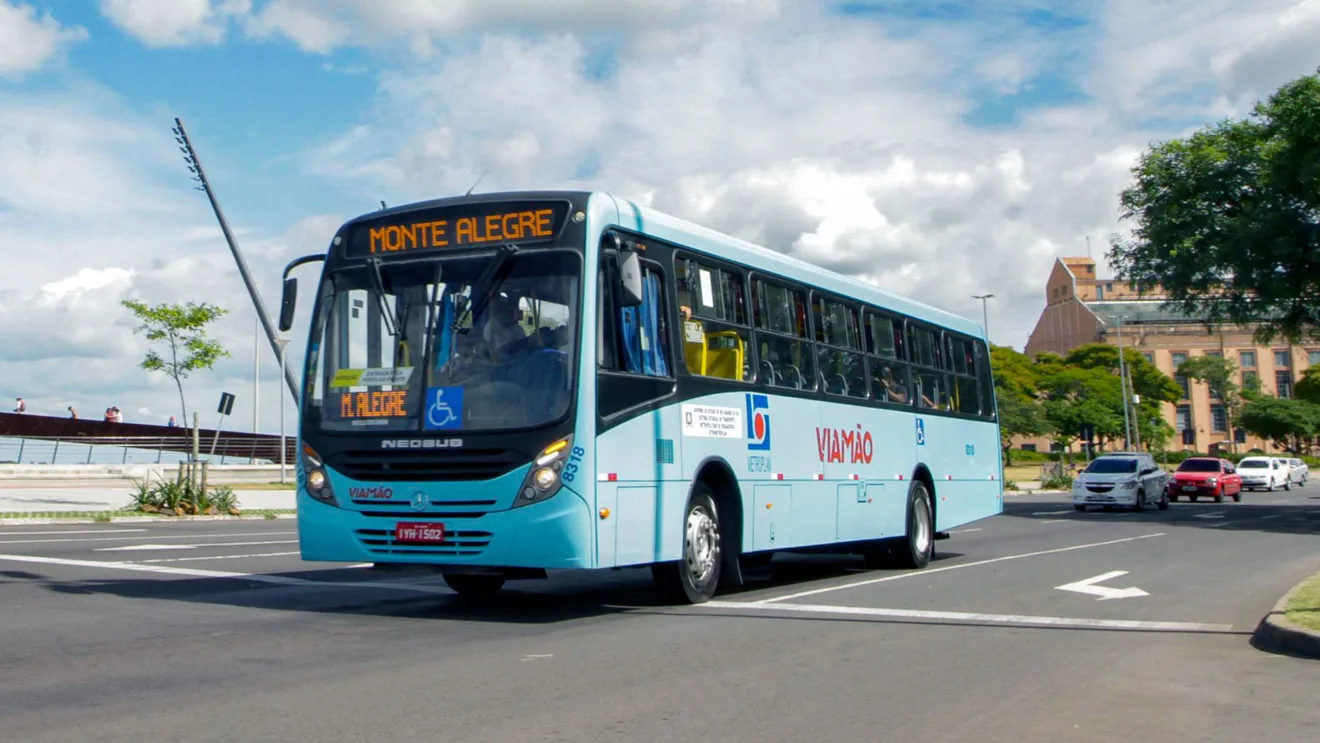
[634, 339]
[712, 310]
[886, 362]
[786, 356]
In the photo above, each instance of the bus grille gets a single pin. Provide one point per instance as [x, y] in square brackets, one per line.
[403, 466]
[456, 544]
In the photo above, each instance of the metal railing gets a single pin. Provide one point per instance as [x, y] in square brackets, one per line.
[138, 450]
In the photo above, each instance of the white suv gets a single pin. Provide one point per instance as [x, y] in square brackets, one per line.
[1264, 473]
[1131, 480]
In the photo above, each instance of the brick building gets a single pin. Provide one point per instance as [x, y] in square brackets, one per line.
[1081, 308]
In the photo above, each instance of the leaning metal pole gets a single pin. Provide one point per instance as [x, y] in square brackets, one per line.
[199, 175]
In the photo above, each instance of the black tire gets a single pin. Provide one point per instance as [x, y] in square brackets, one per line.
[1163, 502]
[1140, 505]
[695, 577]
[1287, 484]
[474, 586]
[1077, 507]
[1219, 498]
[1173, 498]
[918, 544]
[1237, 497]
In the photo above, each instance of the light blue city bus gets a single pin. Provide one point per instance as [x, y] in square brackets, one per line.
[501, 385]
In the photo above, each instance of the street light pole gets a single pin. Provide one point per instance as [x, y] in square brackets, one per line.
[985, 314]
[1122, 385]
[282, 343]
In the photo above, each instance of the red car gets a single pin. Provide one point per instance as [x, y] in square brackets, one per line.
[1198, 476]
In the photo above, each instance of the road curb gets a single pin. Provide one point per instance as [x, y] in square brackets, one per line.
[138, 520]
[1277, 632]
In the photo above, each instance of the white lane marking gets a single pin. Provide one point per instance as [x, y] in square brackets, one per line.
[145, 547]
[964, 531]
[136, 547]
[1211, 515]
[931, 571]
[281, 580]
[216, 557]
[1128, 624]
[167, 536]
[80, 531]
[538, 656]
[1216, 525]
[1052, 513]
[1055, 521]
[1272, 516]
[361, 565]
[1103, 593]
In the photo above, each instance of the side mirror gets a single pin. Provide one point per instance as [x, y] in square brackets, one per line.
[630, 278]
[288, 303]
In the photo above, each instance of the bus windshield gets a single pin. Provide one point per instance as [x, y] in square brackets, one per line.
[406, 346]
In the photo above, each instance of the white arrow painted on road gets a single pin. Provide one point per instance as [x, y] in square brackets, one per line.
[1104, 593]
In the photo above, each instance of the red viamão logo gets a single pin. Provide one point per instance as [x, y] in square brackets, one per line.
[845, 445]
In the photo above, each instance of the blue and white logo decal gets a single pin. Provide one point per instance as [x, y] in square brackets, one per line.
[758, 422]
[444, 408]
[921, 432]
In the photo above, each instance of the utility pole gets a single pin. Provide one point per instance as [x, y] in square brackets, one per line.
[256, 377]
[1122, 383]
[985, 314]
[283, 342]
[195, 165]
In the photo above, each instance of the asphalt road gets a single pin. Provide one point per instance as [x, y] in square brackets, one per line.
[218, 632]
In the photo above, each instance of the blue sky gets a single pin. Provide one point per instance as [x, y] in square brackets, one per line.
[939, 149]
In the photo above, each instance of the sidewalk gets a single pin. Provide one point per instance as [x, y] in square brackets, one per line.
[1278, 632]
[111, 496]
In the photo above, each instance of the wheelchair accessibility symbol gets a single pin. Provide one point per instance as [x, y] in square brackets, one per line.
[444, 408]
[921, 432]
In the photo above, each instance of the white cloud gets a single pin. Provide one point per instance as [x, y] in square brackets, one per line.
[166, 23]
[27, 41]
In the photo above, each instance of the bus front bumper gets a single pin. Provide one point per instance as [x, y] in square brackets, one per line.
[553, 534]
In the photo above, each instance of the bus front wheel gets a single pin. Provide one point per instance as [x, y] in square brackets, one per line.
[474, 586]
[694, 578]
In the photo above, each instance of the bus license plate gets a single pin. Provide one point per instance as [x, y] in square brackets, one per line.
[419, 532]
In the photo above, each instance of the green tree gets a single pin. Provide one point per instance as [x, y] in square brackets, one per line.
[1219, 374]
[1225, 220]
[1020, 414]
[1152, 385]
[1308, 387]
[1073, 396]
[182, 330]
[1291, 424]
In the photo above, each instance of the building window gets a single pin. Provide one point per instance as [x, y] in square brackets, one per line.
[1218, 418]
[1247, 359]
[1283, 384]
[1150, 357]
[1313, 358]
[1028, 447]
[1109, 287]
[1183, 418]
[1178, 358]
[1216, 354]
[1281, 360]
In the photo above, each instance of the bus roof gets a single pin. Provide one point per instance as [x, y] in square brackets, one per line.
[649, 221]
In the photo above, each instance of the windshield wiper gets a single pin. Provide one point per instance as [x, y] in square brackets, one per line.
[479, 297]
[379, 285]
[484, 287]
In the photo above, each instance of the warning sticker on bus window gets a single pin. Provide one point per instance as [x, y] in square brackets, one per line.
[371, 377]
[693, 333]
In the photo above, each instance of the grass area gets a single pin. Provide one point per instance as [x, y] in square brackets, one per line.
[1304, 607]
[1021, 472]
[107, 515]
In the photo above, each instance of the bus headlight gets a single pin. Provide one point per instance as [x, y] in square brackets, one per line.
[314, 477]
[543, 479]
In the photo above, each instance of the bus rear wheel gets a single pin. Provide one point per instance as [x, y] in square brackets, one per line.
[694, 578]
[918, 545]
[474, 586]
